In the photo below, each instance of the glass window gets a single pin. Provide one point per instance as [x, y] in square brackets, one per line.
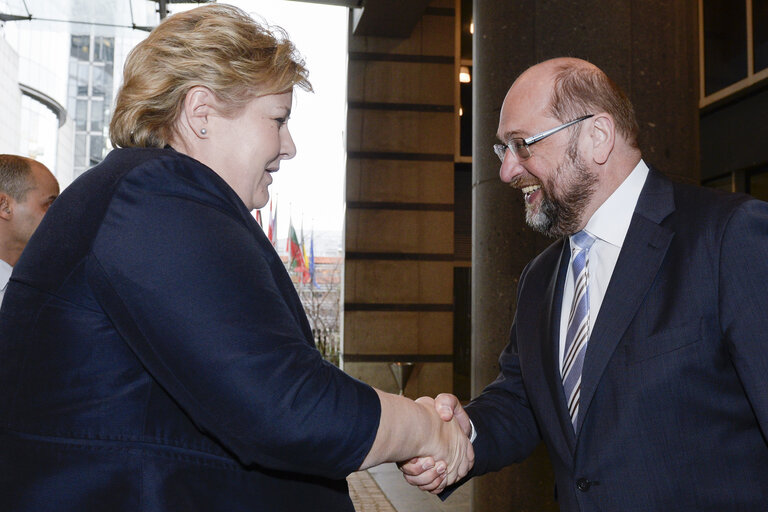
[80, 47]
[97, 115]
[467, 29]
[465, 121]
[725, 43]
[103, 49]
[760, 33]
[81, 116]
[107, 80]
[97, 149]
[97, 86]
[83, 69]
[80, 149]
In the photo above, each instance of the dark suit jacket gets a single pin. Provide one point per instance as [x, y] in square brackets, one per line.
[674, 394]
[154, 356]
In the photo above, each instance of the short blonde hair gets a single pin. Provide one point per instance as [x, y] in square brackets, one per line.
[216, 46]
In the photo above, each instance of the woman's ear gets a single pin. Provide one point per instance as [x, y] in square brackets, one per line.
[199, 104]
[603, 137]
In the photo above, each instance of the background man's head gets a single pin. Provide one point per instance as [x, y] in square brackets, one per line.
[27, 189]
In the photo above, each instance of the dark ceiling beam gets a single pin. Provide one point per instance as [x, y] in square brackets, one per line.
[381, 18]
[388, 18]
[340, 3]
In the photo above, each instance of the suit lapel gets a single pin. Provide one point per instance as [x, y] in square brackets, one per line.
[639, 261]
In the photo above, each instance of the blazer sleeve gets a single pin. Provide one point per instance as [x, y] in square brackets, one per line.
[743, 301]
[507, 431]
[183, 280]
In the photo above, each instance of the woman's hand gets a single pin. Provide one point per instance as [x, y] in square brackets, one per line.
[452, 454]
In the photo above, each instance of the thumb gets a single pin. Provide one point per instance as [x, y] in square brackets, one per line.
[445, 405]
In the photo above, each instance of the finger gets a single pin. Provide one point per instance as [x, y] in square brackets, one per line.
[434, 485]
[424, 400]
[417, 465]
[426, 481]
[467, 462]
[440, 487]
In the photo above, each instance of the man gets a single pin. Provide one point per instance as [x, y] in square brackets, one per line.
[27, 189]
[639, 349]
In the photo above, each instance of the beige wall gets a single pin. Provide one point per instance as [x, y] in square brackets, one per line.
[398, 287]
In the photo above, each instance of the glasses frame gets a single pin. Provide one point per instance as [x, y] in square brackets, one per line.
[519, 142]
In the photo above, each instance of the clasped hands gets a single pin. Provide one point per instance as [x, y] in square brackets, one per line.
[452, 456]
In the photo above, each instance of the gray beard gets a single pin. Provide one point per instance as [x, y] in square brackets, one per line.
[558, 217]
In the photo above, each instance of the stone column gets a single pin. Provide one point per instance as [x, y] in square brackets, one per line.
[650, 49]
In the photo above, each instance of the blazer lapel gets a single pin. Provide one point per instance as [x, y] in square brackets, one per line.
[641, 256]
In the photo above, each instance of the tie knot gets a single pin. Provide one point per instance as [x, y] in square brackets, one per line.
[582, 240]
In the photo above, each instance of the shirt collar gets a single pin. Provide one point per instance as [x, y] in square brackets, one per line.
[610, 222]
[5, 274]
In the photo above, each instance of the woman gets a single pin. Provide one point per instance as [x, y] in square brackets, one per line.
[155, 355]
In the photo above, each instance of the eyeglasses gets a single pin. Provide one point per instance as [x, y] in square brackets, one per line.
[520, 147]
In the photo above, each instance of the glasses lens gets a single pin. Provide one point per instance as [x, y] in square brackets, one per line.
[500, 149]
[520, 148]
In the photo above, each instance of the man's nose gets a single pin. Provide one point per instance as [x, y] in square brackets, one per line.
[511, 168]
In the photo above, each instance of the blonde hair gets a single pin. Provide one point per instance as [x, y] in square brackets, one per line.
[216, 46]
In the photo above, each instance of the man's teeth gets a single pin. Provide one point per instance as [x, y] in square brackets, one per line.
[530, 189]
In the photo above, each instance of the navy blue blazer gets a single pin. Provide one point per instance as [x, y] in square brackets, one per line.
[154, 356]
[674, 393]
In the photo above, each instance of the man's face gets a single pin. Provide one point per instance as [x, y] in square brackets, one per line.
[29, 211]
[556, 181]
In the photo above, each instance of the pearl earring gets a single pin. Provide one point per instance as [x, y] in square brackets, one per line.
[203, 131]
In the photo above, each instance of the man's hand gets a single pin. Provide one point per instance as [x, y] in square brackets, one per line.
[432, 476]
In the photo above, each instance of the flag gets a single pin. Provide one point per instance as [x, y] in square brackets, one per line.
[312, 259]
[304, 252]
[258, 219]
[272, 233]
[296, 259]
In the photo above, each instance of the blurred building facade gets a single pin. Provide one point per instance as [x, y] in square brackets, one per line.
[58, 90]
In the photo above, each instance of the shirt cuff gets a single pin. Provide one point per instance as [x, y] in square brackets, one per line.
[472, 434]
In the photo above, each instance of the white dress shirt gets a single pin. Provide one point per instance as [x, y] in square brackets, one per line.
[5, 274]
[609, 225]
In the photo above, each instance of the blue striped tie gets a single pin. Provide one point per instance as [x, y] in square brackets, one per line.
[578, 323]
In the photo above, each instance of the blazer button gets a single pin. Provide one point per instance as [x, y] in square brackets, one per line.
[583, 484]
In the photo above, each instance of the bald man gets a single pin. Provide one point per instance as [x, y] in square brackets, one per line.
[639, 349]
[27, 189]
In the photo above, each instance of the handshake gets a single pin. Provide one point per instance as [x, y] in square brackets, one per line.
[450, 456]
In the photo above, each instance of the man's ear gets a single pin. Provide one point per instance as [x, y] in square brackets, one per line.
[199, 104]
[6, 210]
[603, 137]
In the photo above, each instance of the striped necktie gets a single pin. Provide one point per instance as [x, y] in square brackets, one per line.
[578, 323]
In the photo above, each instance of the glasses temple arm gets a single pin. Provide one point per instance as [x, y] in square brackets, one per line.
[542, 135]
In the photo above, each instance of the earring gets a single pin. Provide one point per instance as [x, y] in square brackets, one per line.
[203, 131]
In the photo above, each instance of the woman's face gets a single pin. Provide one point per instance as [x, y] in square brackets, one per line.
[247, 148]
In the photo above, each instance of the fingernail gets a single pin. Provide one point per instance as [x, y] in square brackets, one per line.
[425, 466]
[440, 468]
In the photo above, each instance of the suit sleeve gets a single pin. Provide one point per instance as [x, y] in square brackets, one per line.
[192, 294]
[506, 428]
[743, 299]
